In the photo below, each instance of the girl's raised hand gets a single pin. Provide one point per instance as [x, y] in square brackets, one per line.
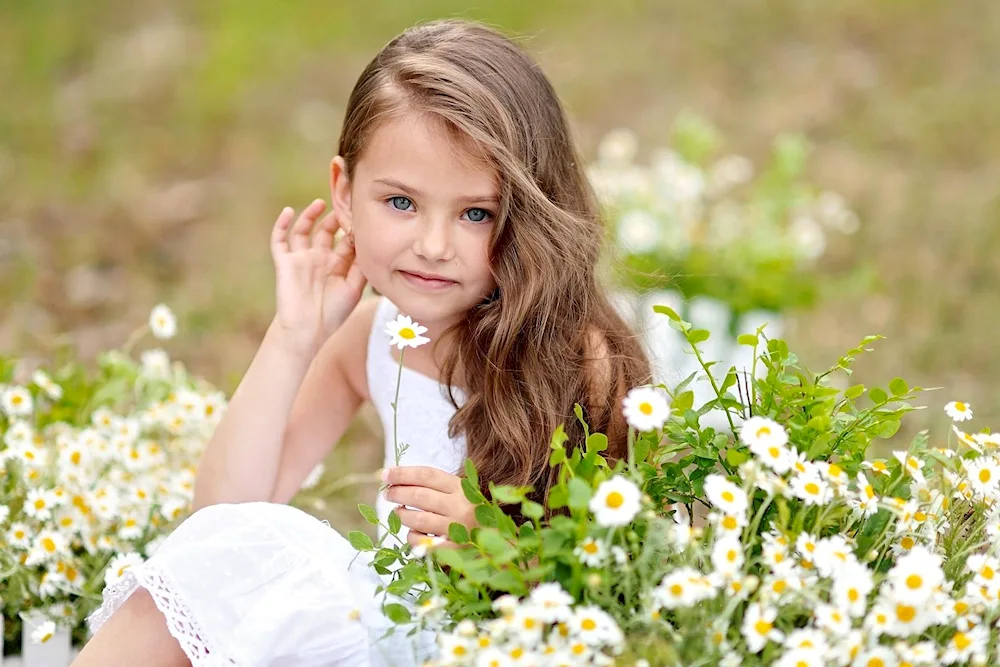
[318, 281]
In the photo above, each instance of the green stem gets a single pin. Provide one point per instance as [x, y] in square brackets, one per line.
[395, 411]
[715, 387]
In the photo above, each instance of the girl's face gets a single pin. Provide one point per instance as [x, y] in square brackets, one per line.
[422, 209]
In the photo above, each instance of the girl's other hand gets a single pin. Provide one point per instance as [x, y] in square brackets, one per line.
[318, 281]
[438, 493]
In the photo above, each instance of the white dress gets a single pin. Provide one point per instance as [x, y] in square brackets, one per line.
[262, 584]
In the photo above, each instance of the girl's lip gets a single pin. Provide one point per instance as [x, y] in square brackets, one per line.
[428, 283]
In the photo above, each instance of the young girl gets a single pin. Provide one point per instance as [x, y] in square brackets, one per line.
[465, 206]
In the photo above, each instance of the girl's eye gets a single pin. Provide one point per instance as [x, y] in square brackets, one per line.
[400, 203]
[478, 214]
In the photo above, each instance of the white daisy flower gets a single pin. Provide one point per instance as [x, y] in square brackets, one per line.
[16, 401]
[727, 556]
[551, 602]
[832, 554]
[155, 364]
[986, 570]
[646, 408]
[405, 332]
[877, 466]
[958, 411]
[162, 322]
[921, 653]
[119, 565]
[726, 496]
[39, 503]
[48, 545]
[43, 632]
[763, 432]
[833, 620]
[916, 575]
[879, 655]
[455, 649]
[911, 465]
[45, 383]
[984, 475]
[802, 657]
[426, 544]
[592, 625]
[809, 639]
[758, 627]
[851, 587]
[590, 552]
[864, 501]
[811, 489]
[616, 502]
[678, 589]
[728, 525]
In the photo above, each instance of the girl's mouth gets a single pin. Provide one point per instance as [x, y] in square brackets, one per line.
[433, 284]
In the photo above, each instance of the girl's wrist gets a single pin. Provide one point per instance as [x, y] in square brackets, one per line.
[296, 351]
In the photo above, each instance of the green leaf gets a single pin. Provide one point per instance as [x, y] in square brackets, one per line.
[559, 438]
[579, 494]
[734, 457]
[558, 496]
[458, 533]
[472, 492]
[557, 457]
[532, 510]
[698, 335]
[369, 514]
[683, 402]
[360, 541]
[507, 580]
[396, 613]
[641, 450]
[747, 339]
[878, 395]
[507, 494]
[898, 387]
[395, 523]
[888, 429]
[729, 381]
[486, 515]
[471, 473]
[490, 541]
[854, 392]
[597, 442]
[668, 311]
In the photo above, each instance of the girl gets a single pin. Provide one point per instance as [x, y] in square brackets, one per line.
[464, 204]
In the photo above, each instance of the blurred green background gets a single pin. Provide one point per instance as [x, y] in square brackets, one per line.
[147, 146]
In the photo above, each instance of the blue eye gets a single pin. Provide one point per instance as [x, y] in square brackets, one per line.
[478, 214]
[394, 202]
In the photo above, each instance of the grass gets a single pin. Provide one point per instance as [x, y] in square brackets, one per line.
[146, 149]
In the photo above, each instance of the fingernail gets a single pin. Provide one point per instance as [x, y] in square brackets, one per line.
[384, 474]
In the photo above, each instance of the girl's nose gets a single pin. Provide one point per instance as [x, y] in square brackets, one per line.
[433, 241]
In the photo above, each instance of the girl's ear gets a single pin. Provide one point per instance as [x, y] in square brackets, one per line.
[340, 193]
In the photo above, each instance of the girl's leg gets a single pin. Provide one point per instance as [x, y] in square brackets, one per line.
[136, 634]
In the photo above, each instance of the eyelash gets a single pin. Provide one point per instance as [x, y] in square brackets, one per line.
[489, 216]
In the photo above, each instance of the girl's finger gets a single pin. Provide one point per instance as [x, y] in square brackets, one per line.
[326, 230]
[432, 478]
[343, 257]
[299, 239]
[279, 233]
[428, 523]
[355, 278]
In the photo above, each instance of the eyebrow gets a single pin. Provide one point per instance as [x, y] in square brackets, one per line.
[475, 198]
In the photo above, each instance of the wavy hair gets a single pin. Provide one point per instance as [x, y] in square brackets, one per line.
[548, 337]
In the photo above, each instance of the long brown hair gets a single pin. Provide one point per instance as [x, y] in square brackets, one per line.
[526, 354]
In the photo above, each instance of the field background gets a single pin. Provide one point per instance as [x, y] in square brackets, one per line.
[146, 147]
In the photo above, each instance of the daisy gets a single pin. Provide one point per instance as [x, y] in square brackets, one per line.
[726, 496]
[155, 364]
[616, 502]
[678, 589]
[43, 632]
[39, 503]
[728, 524]
[763, 432]
[911, 464]
[454, 648]
[811, 489]
[877, 466]
[119, 565]
[916, 575]
[758, 627]
[405, 332]
[958, 411]
[645, 409]
[984, 475]
[851, 587]
[591, 624]
[162, 322]
[727, 556]
[590, 552]
[427, 544]
[802, 657]
[879, 655]
[551, 602]
[967, 647]
[864, 501]
[833, 620]
[48, 545]
[921, 653]
[45, 383]
[16, 401]
[832, 554]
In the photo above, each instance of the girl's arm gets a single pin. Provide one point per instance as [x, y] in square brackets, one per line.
[318, 292]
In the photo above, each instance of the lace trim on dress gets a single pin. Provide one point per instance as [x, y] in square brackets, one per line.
[181, 623]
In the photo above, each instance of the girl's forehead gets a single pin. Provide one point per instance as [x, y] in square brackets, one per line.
[416, 148]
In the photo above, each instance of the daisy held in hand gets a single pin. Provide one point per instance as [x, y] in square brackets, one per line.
[405, 333]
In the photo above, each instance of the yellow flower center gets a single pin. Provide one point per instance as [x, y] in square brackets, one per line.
[779, 586]
[961, 407]
[763, 431]
[961, 641]
[875, 662]
[905, 612]
[590, 548]
[774, 452]
[589, 624]
[407, 333]
[645, 408]
[987, 572]
[853, 595]
[614, 500]
[729, 523]
[728, 496]
[731, 555]
[676, 590]
[906, 543]
[49, 544]
[914, 581]
[834, 470]
[985, 476]
[762, 627]
[812, 488]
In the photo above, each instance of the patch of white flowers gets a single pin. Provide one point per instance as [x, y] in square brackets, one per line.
[79, 496]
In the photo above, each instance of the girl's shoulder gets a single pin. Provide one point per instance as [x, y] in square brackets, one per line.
[353, 343]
